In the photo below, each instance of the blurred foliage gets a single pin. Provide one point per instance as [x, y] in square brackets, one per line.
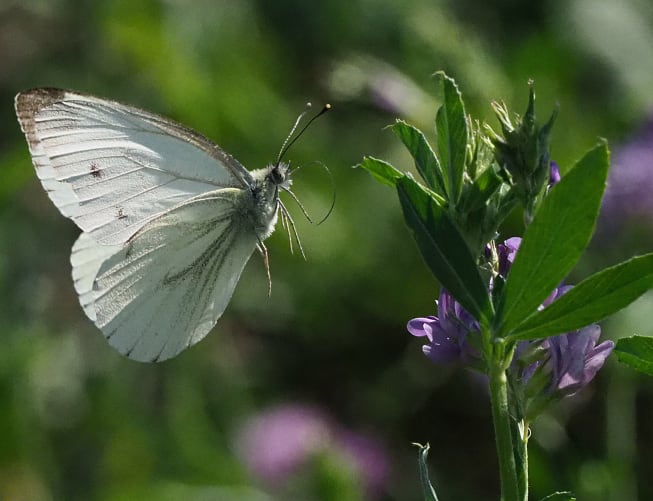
[80, 422]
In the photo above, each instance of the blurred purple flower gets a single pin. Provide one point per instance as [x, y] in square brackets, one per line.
[630, 182]
[554, 174]
[277, 443]
[447, 333]
[368, 458]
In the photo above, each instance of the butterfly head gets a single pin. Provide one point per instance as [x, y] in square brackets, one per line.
[279, 175]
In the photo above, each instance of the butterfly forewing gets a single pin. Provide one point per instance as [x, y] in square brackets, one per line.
[111, 168]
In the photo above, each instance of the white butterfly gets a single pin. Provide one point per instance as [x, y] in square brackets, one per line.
[169, 219]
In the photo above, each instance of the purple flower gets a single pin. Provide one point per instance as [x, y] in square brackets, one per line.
[278, 443]
[576, 358]
[544, 370]
[628, 194]
[447, 334]
[554, 174]
[558, 366]
[507, 252]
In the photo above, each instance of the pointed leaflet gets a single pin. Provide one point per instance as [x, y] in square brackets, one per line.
[443, 248]
[425, 160]
[636, 352]
[555, 240]
[451, 129]
[381, 171]
[593, 299]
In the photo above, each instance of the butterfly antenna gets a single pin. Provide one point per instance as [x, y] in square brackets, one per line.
[333, 190]
[290, 140]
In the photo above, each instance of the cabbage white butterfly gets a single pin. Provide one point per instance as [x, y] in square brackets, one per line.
[168, 218]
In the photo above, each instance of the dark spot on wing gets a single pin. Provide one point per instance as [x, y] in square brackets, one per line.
[95, 171]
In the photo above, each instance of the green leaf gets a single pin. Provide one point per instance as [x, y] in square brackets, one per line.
[451, 129]
[484, 186]
[636, 352]
[425, 160]
[443, 248]
[593, 299]
[381, 171]
[427, 488]
[555, 240]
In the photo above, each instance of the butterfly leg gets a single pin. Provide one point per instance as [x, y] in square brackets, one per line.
[264, 252]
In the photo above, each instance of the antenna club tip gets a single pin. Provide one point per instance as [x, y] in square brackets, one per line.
[327, 106]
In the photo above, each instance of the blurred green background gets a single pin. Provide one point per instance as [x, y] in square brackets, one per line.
[322, 372]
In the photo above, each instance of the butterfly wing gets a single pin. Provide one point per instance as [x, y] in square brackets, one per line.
[86, 258]
[111, 168]
[166, 288]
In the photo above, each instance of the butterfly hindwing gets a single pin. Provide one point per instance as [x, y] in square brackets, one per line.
[86, 258]
[168, 286]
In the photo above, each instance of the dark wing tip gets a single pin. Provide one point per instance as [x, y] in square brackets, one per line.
[28, 102]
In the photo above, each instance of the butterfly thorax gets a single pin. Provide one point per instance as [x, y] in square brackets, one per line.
[264, 200]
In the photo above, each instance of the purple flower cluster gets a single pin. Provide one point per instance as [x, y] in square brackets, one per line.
[558, 365]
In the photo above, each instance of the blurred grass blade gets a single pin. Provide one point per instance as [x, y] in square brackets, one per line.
[636, 352]
[443, 248]
[560, 496]
[427, 488]
[381, 171]
[425, 160]
[555, 240]
[451, 130]
[595, 298]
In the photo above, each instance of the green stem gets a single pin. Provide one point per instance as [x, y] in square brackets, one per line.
[502, 430]
[523, 466]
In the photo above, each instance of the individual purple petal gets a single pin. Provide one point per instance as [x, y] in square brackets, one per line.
[443, 350]
[557, 292]
[507, 252]
[422, 327]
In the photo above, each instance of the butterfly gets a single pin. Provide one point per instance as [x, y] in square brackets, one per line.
[168, 218]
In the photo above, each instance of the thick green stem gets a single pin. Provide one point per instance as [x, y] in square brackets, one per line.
[502, 431]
